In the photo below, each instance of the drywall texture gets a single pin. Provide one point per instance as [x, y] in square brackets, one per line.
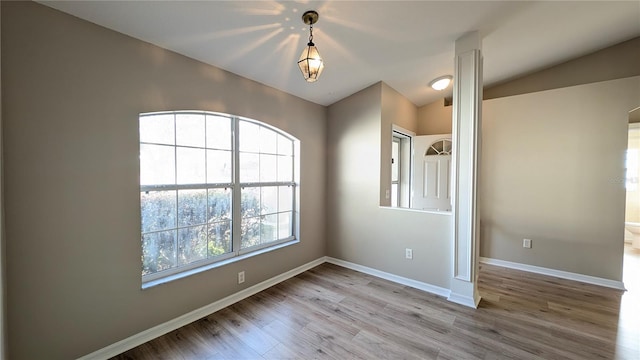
[614, 62]
[398, 110]
[435, 118]
[552, 171]
[358, 229]
[72, 92]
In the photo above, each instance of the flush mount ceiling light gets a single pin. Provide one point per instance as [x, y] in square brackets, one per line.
[441, 83]
[310, 62]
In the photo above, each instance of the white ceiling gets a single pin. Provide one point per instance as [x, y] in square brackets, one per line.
[403, 43]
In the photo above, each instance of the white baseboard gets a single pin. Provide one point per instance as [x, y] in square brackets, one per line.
[159, 330]
[391, 277]
[464, 300]
[618, 285]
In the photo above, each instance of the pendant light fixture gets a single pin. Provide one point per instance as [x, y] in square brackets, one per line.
[310, 62]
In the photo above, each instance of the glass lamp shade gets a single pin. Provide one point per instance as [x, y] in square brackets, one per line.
[311, 63]
[441, 83]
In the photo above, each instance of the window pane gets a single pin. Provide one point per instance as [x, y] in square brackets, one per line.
[158, 210]
[191, 166]
[446, 146]
[190, 130]
[219, 205]
[249, 167]
[269, 200]
[218, 132]
[250, 232]
[285, 145]
[157, 165]
[285, 201]
[191, 224]
[285, 229]
[192, 244]
[269, 228]
[219, 238]
[268, 141]
[157, 129]
[192, 207]
[285, 168]
[250, 198]
[218, 166]
[249, 136]
[158, 251]
[438, 146]
[394, 195]
[268, 168]
[395, 160]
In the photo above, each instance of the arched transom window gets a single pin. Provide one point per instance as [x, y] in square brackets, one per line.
[440, 147]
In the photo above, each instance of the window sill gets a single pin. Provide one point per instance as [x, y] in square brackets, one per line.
[172, 277]
[439, 212]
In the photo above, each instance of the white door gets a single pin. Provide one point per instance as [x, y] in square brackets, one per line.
[431, 173]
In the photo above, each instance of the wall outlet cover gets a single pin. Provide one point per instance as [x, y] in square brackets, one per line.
[408, 253]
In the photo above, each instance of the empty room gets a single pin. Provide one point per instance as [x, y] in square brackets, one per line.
[319, 180]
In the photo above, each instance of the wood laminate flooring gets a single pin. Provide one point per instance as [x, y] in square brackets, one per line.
[330, 312]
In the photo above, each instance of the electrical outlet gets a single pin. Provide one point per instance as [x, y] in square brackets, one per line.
[408, 253]
[386, 194]
[240, 277]
[526, 243]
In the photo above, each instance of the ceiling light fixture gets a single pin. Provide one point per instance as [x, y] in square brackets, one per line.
[441, 82]
[310, 62]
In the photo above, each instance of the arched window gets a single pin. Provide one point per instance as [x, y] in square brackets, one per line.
[440, 147]
[212, 187]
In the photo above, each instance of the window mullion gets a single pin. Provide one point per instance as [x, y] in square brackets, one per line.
[236, 217]
[175, 170]
[167, 269]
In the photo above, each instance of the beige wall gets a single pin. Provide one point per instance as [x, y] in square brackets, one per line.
[435, 118]
[72, 92]
[358, 229]
[552, 164]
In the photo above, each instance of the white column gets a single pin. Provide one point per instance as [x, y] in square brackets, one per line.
[467, 100]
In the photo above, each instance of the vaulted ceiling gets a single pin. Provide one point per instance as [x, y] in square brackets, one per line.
[403, 43]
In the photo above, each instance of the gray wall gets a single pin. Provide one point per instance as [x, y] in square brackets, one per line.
[614, 62]
[358, 229]
[72, 92]
[395, 110]
[552, 171]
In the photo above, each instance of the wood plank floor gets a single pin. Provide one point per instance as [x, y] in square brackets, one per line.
[330, 312]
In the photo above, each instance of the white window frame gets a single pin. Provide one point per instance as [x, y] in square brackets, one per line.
[405, 168]
[237, 253]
